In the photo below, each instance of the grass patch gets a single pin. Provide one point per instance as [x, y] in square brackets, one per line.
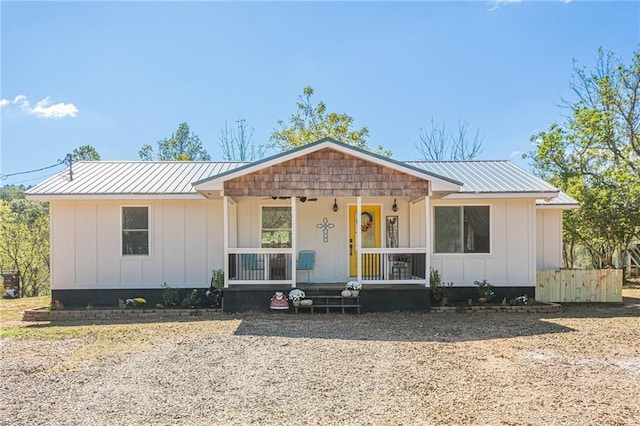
[43, 332]
[12, 309]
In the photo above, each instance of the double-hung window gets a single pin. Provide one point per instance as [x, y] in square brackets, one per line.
[275, 230]
[135, 231]
[462, 229]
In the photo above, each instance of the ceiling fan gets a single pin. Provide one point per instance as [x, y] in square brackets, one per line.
[302, 199]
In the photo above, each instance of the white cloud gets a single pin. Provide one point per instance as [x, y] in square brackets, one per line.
[21, 100]
[497, 4]
[516, 154]
[43, 108]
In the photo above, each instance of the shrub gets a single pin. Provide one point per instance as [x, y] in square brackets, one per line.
[435, 283]
[485, 289]
[56, 305]
[193, 299]
[169, 295]
[441, 291]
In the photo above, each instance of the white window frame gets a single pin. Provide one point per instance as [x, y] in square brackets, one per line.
[135, 256]
[461, 206]
[262, 206]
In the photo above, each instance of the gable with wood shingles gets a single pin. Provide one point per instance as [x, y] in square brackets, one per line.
[327, 172]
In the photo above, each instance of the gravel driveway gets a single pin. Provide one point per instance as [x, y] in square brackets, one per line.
[578, 367]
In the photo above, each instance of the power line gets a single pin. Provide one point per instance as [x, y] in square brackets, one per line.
[41, 177]
[5, 177]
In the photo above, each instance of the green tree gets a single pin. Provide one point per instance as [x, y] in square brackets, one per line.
[12, 192]
[437, 144]
[312, 122]
[183, 145]
[595, 157]
[85, 153]
[236, 143]
[24, 240]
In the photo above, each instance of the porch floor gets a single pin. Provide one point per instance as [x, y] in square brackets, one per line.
[321, 286]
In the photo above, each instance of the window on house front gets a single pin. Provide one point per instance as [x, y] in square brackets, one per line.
[462, 229]
[275, 231]
[135, 231]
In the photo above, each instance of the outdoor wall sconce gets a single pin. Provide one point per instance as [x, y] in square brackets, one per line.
[335, 205]
[395, 206]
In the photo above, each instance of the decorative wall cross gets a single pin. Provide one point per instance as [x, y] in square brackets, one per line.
[325, 226]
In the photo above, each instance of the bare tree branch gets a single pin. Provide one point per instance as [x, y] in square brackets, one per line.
[436, 144]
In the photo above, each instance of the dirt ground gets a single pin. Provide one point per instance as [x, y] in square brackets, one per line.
[581, 366]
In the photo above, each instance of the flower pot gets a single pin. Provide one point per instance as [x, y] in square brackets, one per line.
[296, 303]
[346, 293]
[355, 293]
[482, 300]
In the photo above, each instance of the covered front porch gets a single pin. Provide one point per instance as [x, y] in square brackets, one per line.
[359, 216]
[364, 240]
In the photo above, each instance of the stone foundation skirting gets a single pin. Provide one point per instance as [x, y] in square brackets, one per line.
[546, 308]
[44, 314]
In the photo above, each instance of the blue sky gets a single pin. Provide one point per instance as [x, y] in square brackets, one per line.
[118, 75]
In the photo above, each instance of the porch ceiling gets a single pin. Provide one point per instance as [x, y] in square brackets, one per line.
[327, 172]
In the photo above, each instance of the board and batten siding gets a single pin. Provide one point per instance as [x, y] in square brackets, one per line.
[513, 247]
[185, 240]
[549, 239]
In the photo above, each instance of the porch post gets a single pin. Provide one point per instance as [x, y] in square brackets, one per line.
[427, 238]
[225, 239]
[294, 241]
[359, 237]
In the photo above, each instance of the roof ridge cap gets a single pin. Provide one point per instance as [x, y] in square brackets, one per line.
[162, 161]
[457, 161]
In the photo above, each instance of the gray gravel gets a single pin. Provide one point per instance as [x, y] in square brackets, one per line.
[578, 367]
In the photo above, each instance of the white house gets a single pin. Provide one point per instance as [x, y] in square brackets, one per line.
[122, 229]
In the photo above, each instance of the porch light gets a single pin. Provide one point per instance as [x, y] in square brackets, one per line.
[395, 206]
[335, 204]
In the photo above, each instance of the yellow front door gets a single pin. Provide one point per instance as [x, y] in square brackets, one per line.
[370, 227]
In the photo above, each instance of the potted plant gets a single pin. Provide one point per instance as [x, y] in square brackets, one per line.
[354, 287]
[296, 295]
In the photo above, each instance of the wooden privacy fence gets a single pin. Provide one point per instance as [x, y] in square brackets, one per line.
[579, 285]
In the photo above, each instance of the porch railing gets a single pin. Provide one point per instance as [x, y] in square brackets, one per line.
[258, 265]
[394, 265]
[274, 266]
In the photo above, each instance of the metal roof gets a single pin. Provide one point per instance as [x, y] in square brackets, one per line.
[487, 176]
[131, 177]
[562, 200]
[170, 178]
